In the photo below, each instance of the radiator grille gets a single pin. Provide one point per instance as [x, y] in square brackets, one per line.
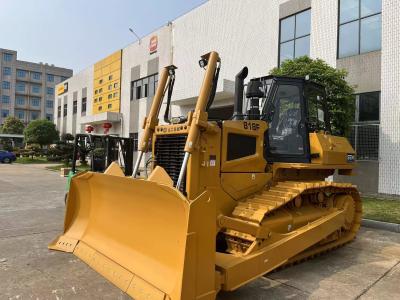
[169, 153]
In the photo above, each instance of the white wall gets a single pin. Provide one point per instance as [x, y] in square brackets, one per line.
[75, 84]
[323, 39]
[245, 33]
[389, 146]
[138, 54]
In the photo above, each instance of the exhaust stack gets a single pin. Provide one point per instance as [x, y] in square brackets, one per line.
[239, 87]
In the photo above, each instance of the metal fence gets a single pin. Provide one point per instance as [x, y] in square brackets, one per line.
[365, 140]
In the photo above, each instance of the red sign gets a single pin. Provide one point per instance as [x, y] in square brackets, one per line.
[153, 44]
[89, 128]
[106, 127]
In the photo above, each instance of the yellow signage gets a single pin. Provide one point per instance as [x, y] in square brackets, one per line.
[63, 88]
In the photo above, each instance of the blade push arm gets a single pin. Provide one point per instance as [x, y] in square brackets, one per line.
[200, 116]
[151, 121]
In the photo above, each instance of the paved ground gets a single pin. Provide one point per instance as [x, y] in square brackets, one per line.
[31, 215]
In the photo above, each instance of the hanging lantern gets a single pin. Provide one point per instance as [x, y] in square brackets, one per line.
[106, 127]
[89, 128]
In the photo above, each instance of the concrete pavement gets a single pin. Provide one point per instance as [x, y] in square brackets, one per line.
[31, 215]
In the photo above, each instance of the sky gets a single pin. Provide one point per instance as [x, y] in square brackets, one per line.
[77, 33]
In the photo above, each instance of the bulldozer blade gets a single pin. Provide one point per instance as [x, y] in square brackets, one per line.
[143, 236]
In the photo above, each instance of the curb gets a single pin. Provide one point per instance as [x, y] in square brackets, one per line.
[381, 225]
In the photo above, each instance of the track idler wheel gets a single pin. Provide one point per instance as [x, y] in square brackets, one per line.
[346, 203]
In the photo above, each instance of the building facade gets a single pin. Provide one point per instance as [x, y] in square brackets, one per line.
[27, 89]
[356, 35]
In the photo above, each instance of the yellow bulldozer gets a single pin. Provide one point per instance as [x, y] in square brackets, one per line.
[226, 201]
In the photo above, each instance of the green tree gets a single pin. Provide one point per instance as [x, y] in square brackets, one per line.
[340, 98]
[42, 132]
[12, 125]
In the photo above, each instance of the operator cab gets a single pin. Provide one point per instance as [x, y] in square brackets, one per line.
[293, 108]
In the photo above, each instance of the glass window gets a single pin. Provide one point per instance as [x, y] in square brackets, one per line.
[370, 39]
[84, 105]
[287, 29]
[6, 71]
[109, 106]
[7, 56]
[20, 114]
[36, 89]
[65, 110]
[34, 115]
[348, 39]
[349, 10]
[144, 87]
[36, 75]
[49, 117]
[21, 73]
[20, 100]
[5, 113]
[109, 96]
[20, 87]
[75, 107]
[360, 27]
[370, 7]
[35, 102]
[5, 85]
[302, 46]
[50, 78]
[50, 91]
[284, 134]
[49, 103]
[295, 36]
[303, 23]
[368, 107]
[58, 111]
[5, 99]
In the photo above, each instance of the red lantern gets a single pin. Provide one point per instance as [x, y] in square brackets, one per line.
[89, 128]
[106, 127]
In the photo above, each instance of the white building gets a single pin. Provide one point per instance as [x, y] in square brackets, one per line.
[361, 36]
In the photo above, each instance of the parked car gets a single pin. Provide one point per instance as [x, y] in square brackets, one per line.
[7, 157]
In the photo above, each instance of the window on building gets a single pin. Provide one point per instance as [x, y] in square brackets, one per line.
[110, 87]
[65, 110]
[7, 57]
[21, 73]
[50, 78]
[20, 87]
[35, 102]
[6, 71]
[100, 98]
[144, 87]
[110, 77]
[75, 107]
[36, 75]
[294, 37]
[5, 113]
[5, 99]
[135, 137]
[50, 91]
[360, 25]
[20, 114]
[100, 81]
[59, 111]
[100, 108]
[364, 134]
[20, 100]
[49, 103]
[109, 106]
[49, 117]
[35, 88]
[84, 105]
[34, 115]
[95, 92]
[5, 85]
[115, 94]
[109, 96]
[100, 90]
[115, 85]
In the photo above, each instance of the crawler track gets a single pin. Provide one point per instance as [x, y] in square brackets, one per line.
[258, 207]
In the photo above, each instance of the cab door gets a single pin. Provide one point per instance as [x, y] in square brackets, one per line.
[287, 137]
